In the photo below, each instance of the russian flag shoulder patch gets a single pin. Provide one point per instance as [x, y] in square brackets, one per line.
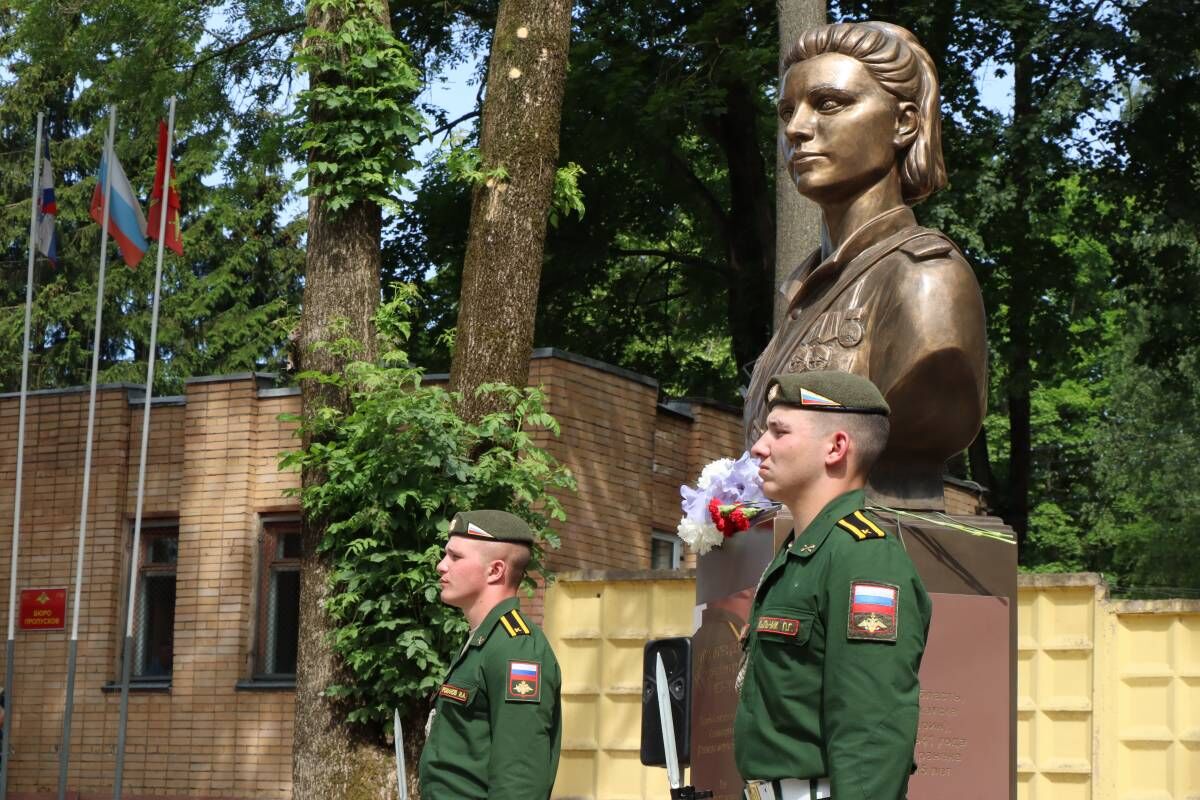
[874, 611]
[524, 682]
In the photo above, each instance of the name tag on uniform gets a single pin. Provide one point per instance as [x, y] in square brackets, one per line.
[455, 693]
[781, 625]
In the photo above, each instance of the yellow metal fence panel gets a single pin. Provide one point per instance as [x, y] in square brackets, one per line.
[1056, 647]
[598, 623]
[1153, 739]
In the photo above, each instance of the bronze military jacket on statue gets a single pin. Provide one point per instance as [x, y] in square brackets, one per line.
[497, 723]
[835, 638]
[898, 304]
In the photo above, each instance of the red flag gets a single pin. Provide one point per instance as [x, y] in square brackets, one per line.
[173, 240]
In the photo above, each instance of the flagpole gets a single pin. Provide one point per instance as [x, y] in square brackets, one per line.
[10, 646]
[141, 485]
[64, 751]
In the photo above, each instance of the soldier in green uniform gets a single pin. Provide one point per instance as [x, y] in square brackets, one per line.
[496, 726]
[828, 690]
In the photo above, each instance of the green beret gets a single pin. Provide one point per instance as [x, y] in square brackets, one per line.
[491, 526]
[827, 390]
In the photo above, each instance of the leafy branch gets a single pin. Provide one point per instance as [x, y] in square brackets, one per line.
[397, 467]
[566, 195]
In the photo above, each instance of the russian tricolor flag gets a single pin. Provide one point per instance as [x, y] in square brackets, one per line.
[47, 235]
[811, 398]
[870, 597]
[523, 670]
[126, 223]
[524, 681]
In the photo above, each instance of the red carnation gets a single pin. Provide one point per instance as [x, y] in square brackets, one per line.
[739, 520]
[714, 511]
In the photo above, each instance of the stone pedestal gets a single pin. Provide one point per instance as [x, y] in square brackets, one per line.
[966, 745]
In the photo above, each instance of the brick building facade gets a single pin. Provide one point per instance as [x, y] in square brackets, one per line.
[211, 714]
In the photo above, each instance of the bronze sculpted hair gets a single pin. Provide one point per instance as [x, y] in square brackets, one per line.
[897, 61]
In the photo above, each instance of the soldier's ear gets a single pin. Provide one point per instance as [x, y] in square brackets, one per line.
[837, 448]
[497, 571]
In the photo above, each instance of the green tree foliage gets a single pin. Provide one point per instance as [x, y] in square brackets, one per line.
[1146, 454]
[675, 261]
[673, 254]
[1146, 520]
[227, 302]
[1156, 159]
[358, 124]
[397, 466]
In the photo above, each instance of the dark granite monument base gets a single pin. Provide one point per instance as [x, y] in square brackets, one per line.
[966, 744]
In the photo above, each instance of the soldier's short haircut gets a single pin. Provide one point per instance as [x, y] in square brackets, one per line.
[518, 561]
[515, 557]
[868, 434]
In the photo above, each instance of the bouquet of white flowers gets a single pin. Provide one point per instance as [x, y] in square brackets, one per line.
[727, 496]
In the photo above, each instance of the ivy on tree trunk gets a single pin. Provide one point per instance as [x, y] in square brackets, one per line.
[358, 128]
[330, 758]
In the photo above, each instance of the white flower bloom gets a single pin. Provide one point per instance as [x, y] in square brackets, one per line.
[716, 470]
[700, 537]
[729, 483]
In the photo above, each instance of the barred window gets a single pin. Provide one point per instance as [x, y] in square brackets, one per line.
[154, 625]
[279, 600]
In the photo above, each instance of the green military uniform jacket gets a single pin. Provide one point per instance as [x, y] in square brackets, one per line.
[497, 724]
[834, 642]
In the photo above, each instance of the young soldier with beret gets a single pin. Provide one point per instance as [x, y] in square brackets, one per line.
[828, 689]
[496, 726]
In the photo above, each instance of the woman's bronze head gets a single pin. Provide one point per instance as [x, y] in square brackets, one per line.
[894, 57]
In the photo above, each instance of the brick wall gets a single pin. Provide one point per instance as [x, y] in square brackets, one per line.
[607, 442]
[210, 468]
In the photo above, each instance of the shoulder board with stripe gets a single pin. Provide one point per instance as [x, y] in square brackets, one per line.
[860, 527]
[514, 624]
[930, 245]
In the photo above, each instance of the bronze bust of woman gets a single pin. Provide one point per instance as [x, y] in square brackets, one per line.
[893, 301]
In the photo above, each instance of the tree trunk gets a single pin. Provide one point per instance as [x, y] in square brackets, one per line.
[980, 462]
[332, 759]
[1020, 301]
[749, 227]
[797, 219]
[1019, 443]
[503, 264]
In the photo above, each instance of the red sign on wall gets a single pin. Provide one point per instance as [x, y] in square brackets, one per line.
[43, 609]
